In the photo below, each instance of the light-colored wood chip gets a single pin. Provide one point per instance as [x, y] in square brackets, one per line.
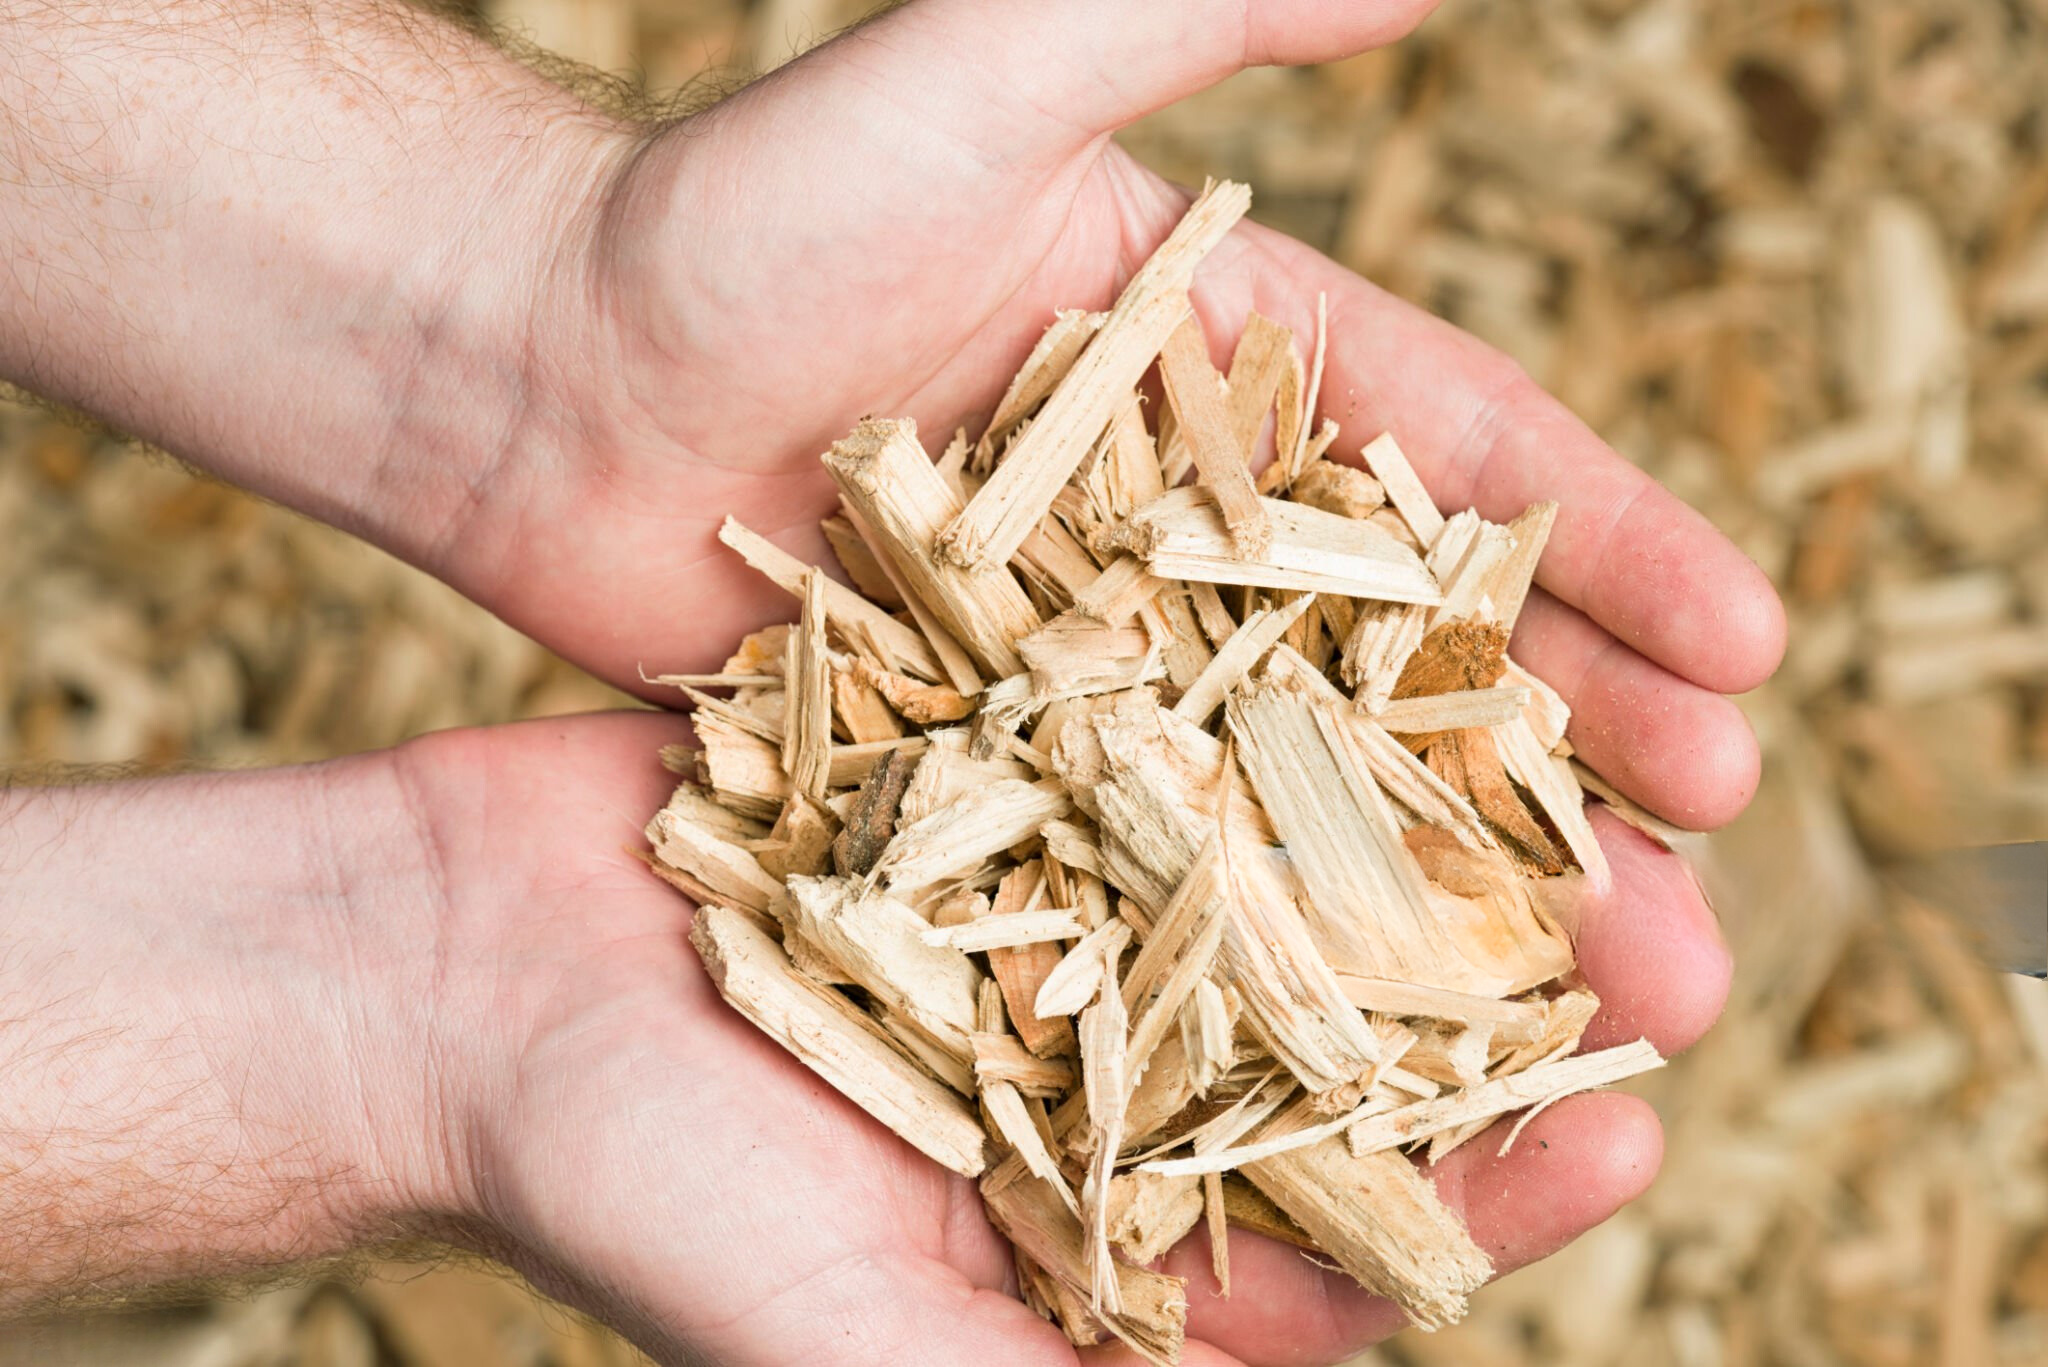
[1182, 535]
[1196, 392]
[836, 1040]
[989, 530]
[1389, 465]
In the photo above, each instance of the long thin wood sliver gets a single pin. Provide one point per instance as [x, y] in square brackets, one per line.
[1246, 646]
[886, 477]
[836, 1040]
[1389, 465]
[1194, 389]
[1074, 982]
[1382, 1222]
[807, 722]
[842, 604]
[1508, 586]
[957, 668]
[1013, 1124]
[1182, 535]
[1298, 458]
[1543, 1083]
[1051, 358]
[999, 517]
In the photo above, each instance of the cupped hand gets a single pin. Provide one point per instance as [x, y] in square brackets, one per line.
[644, 1152]
[886, 225]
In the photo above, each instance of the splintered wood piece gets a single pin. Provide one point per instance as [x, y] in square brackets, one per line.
[951, 769]
[1508, 585]
[923, 704]
[1115, 595]
[1385, 637]
[861, 564]
[1126, 476]
[1023, 972]
[1051, 358]
[1005, 1058]
[1154, 783]
[1216, 1210]
[1176, 958]
[1077, 977]
[1453, 711]
[1381, 1221]
[1301, 454]
[879, 942]
[759, 723]
[1411, 783]
[1013, 1127]
[1538, 1087]
[742, 769]
[996, 521]
[1149, 1214]
[957, 668]
[716, 869]
[863, 714]
[871, 821]
[1196, 392]
[1258, 366]
[852, 616]
[802, 839]
[1208, 1029]
[1455, 657]
[1214, 618]
[1470, 762]
[1467, 576]
[1055, 561]
[1018, 930]
[1389, 465]
[888, 481]
[1344, 490]
[1550, 780]
[1103, 1036]
[1075, 656]
[1182, 535]
[955, 838]
[1369, 906]
[830, 1036]
[807, 726]
[691, 802]
[1152, 1319]
[1408, 999]
[1236, 657]
[851, 764]
[1547, 714]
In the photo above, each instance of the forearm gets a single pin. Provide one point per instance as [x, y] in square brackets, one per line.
[296, 243]
[216, 998]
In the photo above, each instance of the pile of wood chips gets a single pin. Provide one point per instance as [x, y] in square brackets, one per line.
[1154, 852]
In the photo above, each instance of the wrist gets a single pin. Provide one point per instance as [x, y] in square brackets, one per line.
[299, 246]
[221, 1032]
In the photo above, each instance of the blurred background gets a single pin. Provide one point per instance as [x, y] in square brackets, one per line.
[1791, 257]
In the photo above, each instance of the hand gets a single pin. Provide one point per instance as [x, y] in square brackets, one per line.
[887, 224]
[642, 1151]
[259, 1018]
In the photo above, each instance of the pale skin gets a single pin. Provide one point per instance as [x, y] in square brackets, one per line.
[358, 261]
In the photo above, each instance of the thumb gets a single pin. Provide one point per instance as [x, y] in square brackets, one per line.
[1056, 74]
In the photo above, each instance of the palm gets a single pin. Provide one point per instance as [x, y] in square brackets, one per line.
[656, 1158]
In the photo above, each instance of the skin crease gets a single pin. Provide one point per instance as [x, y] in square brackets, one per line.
[884, 225]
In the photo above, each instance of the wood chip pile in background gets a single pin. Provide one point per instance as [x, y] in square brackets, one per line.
[1792, 258]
